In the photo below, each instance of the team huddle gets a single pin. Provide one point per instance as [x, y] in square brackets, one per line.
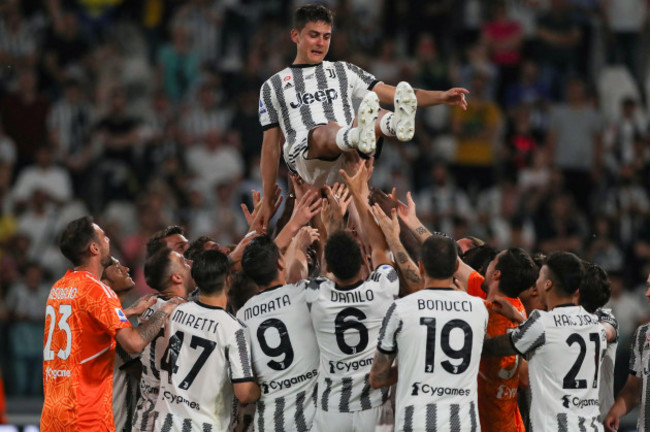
[350, 315]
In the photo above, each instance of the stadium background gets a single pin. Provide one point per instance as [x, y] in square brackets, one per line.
[144, 114]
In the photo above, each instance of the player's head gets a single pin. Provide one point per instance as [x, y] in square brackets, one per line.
[513, 271]
[343, 256]
[82, 239]
[172, 236]
[117, 277]
[479, 257]
[562, 272]
[200, 244]
[595, 289]
[210, 272]
[439, 257]
[262, 261]
[169, 272]
[312, 32]
[468, 243]
[241, 289]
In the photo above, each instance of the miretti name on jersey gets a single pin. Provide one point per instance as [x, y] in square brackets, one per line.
[437, 336]
[565, 395]
[347, 322]
[285, 357]
[301, 97]
[207, 350]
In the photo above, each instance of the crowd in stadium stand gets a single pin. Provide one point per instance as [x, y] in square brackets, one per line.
[144, 114]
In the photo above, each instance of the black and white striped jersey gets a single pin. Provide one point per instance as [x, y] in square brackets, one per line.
[207, 352]
[606, 395]
[285, 357]
[125, 390]
[565, 349]
[437, 334]
[347, 322]
[150, 379]
[640, 367]
[300, 97]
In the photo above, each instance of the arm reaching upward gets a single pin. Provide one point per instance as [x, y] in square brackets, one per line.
[271, 151]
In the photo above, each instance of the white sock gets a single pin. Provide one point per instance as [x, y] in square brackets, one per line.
[386, 125]
[347, 138]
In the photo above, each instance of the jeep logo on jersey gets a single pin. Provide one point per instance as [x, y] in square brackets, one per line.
[325, 96]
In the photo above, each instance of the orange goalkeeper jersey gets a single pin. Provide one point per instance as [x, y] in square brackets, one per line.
[474, 285]
[82, 317]
[498, 380]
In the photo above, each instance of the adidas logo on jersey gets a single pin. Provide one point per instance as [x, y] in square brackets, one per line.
[288, 85]
[325, 96]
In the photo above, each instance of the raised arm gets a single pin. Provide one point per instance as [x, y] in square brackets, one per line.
[306, 208]
[269, 163]
[133, 340]
[390, 228]
[296, 255]
[454, 96]
[410, 218]
[358, 185]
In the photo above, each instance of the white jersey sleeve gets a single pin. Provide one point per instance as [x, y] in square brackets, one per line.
[268, 107]
[387, 278]
[640, 367]
[390, 329]
[360, 80]
[530, 335]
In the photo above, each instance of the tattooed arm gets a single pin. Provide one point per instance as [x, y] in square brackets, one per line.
[383, 373]
[133, 340]
[408, 215]
[390, 228]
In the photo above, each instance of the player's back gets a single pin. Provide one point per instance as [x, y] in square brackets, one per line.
[606, 395]
[438, 336]
[498, 379]
[150, 358]
[207, 351]
[347, 322]
[640, 368]
[285, 357]
[565, 348]
[82, 317]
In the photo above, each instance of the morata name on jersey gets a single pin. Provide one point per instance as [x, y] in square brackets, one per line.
[270, 306]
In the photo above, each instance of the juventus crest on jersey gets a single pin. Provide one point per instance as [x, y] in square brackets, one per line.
[207, 350]
[347, 322]
[301, 97]
[437, 334]
[285, 357]
[564, 393]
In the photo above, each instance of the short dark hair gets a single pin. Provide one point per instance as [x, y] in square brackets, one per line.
[518, 271]
[157, 241]
[343, 255]
[260, 260]
[157, 269]
[566, 271]
[196, 247]
[439, 256]
[242, 288]
[595, 289]
[479, 257]
[76, 238]
[210, 270]
[312, 13]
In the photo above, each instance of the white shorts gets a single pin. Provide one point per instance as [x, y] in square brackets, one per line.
[359, 421]
[317, 172]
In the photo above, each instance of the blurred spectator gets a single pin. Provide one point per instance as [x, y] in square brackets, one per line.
[528, 88]
[479, 63]
[476, 130]
[602, 248]
[522, 141]
[203, 20]
[24, 115]
[67, 51]
[574, 140]
[18, 47]
[178, 65]
[504, 39]
[26, 302]
[559, 37]
[431, 69]
[430, 16]
[7, 147]
[387, 66]
[621, 137]
[624, 23]
[215, 160]
[203, 117]
[558, 225]
[43, 176]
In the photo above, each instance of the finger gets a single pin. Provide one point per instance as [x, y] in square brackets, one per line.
[393, 215]
[244, 209]
[393, 193]
[345, 176]
[461, 90]
[409, 199]
[316, 205]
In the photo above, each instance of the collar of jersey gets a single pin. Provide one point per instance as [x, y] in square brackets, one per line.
[305, 65]
[564, 305]
[442, 288]
[207, 305]
[349, 287]
[270, 289]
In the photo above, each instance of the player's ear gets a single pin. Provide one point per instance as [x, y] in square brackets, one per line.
[294, 35]
[176, 278]
[421, 268]
[93, 247]
[497, 274]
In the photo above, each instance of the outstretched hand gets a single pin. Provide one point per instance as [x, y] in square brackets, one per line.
[306, 208]
[358, 183]
[140, 305]
[389, 225]
[455, 97]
